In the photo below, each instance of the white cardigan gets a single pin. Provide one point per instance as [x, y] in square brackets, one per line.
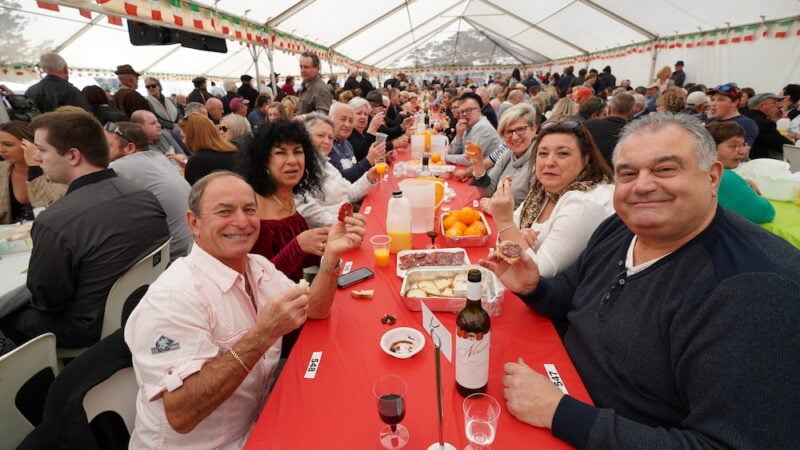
[322, 210]
[564, 235]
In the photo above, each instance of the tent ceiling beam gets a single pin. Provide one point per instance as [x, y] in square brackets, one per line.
[224, 61]
[419, 42]
[497, 44]
[371, 24]
[433, 17]
[536, 27]
[618, 18]
[78, 33]
[292, 10]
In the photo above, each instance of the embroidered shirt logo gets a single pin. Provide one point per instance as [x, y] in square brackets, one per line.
[165, 344]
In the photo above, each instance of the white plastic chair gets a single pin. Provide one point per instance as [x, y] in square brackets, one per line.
[118, 394]
[16, 368]
[143, 273]
[791, 154]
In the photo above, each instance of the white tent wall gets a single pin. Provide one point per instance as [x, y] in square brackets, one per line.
[766, 65]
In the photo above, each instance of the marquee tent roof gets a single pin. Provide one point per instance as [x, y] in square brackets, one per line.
[383, 35]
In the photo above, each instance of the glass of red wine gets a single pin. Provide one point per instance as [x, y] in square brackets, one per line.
[390, 391]
[433, 231]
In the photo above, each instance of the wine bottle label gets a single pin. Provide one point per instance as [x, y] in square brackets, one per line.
[472, 358]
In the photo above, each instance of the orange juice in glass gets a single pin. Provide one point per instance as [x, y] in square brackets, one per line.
[380, 249]
[473, 150]
[380, 167]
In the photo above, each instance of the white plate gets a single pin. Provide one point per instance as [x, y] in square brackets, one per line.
[402, 273]
[402, 342]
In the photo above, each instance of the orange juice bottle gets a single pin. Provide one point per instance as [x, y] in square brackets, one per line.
[398, 222]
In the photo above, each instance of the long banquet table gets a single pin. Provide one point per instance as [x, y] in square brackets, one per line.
[336, 409]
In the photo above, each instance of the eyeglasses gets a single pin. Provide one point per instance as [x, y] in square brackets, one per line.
[113, 128]
[467, 111]
[150, 86]
[521, 132]
[571, 124]
[223, 128]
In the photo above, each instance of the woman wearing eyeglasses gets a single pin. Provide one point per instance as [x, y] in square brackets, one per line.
[735, 193]
[517, 127]
[22, 186]
[210, 150]
[570, 196]
[163, 107]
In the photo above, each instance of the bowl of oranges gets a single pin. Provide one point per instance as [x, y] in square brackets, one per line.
[465, 227]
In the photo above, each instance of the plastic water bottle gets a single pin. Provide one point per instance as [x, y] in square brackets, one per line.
[398, 222]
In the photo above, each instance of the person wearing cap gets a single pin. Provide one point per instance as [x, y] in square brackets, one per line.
[199, 94]
[314, 95]
[247, 91]
[473, 127]
[678, 76]
[765, 112]
[651, 93]
[132, 159]
[55, 89]
[696, 105]
[724, 106]
[239, 106]
[127, 99]
[582, 94]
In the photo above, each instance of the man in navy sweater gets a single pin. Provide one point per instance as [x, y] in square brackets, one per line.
[683, 317]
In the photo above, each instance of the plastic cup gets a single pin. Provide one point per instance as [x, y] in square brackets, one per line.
[380, 249]
[380, 138]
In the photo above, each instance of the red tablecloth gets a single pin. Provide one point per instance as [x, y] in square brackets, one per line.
[336, 410]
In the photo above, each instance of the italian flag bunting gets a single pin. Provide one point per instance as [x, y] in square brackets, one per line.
[177, 13]
[155, 10]
[131, 8]
[783, 29]
[85, 13]
[114, 20]
[750, 33]
[225, 21]
[197, 19]
[47, 6]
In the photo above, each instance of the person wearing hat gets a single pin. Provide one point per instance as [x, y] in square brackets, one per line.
[765, 112]
[678, 75]
[582, 94]
[247, 91]
[127, 99]
[725, 106]
[239, 106]
[199, 94]
[696, 105]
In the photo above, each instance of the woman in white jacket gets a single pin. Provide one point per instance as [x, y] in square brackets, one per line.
[321, 210]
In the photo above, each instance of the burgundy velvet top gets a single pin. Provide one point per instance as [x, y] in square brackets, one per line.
[277, 242]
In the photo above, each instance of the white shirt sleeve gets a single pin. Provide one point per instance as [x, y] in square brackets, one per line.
[565, 234]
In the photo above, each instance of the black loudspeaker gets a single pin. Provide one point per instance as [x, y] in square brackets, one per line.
[200, 42]
[144, 34]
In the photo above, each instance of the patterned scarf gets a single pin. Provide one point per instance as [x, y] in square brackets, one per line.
[538, 197]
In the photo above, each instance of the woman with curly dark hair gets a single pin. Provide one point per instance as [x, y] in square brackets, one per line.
[278, 163]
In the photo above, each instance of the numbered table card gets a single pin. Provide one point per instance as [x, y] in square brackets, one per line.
[313, 365]
[555, 377]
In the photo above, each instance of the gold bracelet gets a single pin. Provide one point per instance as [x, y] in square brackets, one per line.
[504, 229]
[331, 270]
[239, 360]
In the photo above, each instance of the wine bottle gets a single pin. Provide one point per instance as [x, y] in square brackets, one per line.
[472, 340]
[426, 170]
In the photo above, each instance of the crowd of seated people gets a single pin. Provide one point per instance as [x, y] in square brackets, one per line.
[544, 167]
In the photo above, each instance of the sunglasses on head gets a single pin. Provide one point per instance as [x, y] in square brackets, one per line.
[571, 124]
[728, 90]
[113, 128]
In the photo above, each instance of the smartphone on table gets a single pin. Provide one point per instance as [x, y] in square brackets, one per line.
[351, 278]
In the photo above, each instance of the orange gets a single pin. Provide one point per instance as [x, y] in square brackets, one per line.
[476, 229]
[449, 220]
[454, 232]
[468, 215]
[436, 158]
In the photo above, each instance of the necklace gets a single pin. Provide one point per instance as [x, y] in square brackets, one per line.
[287, 208]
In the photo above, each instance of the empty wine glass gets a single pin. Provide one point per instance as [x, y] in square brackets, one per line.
[481, 412]
[390, 391]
